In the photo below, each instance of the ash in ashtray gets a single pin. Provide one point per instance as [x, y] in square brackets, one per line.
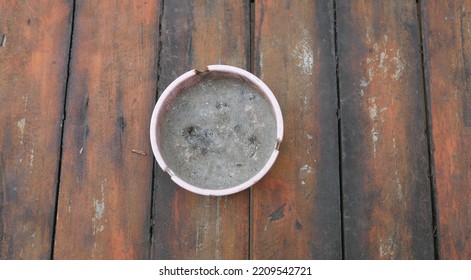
[218, 133]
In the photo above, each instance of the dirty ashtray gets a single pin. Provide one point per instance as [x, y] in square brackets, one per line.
[216, 132]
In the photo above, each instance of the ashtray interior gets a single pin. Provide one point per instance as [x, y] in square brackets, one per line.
[217, 130]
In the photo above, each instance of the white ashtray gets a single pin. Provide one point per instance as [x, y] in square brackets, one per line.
[216, 132]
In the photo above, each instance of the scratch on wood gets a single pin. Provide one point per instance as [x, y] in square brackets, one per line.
[375, 138]
[197, 240]
[400, 194]
[466, 95]
[139, 152]
[25, 99]
[462, 52]
[31, 158]
[3, 187]
[260, 63]
[309, 195]
[21, 125]
[99, 207]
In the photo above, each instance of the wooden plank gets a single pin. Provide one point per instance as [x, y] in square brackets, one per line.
[105, 189]
[186, 225]
[447, 48]
[296, 207]
[34, 49]
[386, 189]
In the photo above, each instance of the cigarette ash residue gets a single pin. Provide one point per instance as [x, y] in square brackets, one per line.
[218, 133]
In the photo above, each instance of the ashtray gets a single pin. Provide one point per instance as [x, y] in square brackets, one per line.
[216, 132]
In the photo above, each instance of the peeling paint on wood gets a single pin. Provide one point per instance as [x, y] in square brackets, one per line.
[295, 57]
[386, 190]
[112, 70]
[21, 126]
[30, 135]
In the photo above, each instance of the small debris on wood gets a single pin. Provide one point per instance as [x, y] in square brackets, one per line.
[205, 71]
[81, 150]
[4, 40]
[139, 152]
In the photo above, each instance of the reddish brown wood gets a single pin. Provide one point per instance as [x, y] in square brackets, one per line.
[386, 189]
[105, 195]
[105, 189]
[296, 207]
[33, 69]
[186, 225]
[447, 47]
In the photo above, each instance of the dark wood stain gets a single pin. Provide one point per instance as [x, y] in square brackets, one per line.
[464, 46]
[295, 57]
[121, 123]
[447, 49]
[3, 244]
[31, 107]
[105, 191]
[277, 214]
[298, 225]
[327, 195]
[386, 189]
[385, 169]
[200, 227]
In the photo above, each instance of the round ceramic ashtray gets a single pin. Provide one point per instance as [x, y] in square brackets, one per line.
[216, 132]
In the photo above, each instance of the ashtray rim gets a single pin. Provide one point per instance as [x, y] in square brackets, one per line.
[226, 69]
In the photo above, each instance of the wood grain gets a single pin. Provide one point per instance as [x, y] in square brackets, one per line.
[105, 189]
[33, 70]
[447, 47]
[186, 225]
[296, 207]
[386, 189]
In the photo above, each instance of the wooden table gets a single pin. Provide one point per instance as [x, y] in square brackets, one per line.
[375, 162]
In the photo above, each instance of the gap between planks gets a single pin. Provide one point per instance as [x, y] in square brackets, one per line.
[429, 134]
[64, 116]
[154, 165]
[251, 63]
[339, 127]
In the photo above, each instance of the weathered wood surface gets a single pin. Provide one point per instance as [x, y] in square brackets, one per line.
[105, 189]
[296, 207]
[386, 189]
[189, 226]
[447, 48]
[33, 71]
[357, 188]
